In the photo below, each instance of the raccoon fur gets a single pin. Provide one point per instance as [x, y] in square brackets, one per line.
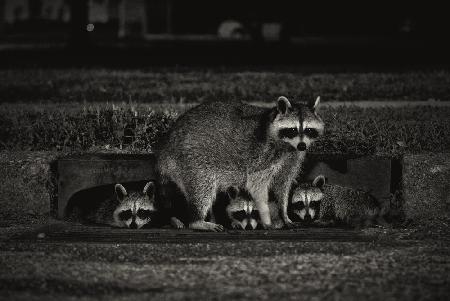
[221, 144]
[127, 209]
[326, 205]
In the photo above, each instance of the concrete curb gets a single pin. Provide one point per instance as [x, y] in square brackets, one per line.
[426, 187]
[28, 186]
[376, 104]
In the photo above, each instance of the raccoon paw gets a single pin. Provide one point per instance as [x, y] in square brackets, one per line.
[295, 225]
[277, 225]
[206, 226]
[290, 224]
[176, 223]
[267, 226]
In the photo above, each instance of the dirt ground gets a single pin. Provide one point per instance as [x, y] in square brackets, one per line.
[391, 267]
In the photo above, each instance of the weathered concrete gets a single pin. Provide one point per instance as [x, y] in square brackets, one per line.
[74, 232]
[426, 188]
[27, 184]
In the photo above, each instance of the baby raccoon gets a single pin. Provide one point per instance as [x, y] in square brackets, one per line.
[127, 210]
[325, 205]
[241, 210]
[244, 214]
[306, 200]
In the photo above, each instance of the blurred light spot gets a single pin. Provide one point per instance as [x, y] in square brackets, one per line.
[90, 27]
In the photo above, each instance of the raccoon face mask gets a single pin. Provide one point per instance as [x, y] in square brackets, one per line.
[298, 125]
[135, 209]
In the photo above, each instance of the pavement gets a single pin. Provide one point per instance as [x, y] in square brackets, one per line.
[391, 266]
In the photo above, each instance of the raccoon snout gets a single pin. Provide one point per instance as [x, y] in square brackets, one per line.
[301, 146]
[249, 227]
[133, 225]
[307, 218]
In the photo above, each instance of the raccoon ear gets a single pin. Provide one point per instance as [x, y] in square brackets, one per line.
[121, 192]
[314, 105]
[283, 104]
[319, 181]
[232, 192]
[149, 189]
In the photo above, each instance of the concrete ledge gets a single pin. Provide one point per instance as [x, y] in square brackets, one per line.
[426, 187]
[27, 184]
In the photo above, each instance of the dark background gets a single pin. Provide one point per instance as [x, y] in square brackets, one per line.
[173, 32]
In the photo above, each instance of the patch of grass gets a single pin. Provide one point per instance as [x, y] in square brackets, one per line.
[136, 127]
[385, 131]
[161, 85]
[82, 127]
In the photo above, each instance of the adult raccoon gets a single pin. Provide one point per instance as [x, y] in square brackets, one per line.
[221, 144]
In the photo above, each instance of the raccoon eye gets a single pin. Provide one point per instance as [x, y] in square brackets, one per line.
[239, 215]
[298, 205]
[125, 215]
[254, 214]
[144, 214]
[315, 205]
[288, 133]
[310, 132]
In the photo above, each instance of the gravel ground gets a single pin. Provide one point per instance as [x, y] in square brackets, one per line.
[391, 268]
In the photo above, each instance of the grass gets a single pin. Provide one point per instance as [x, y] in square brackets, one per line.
[81, 127]
[120, 110]
[175, 86]
[132, 127]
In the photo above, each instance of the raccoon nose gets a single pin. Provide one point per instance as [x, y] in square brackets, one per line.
[301, 146]
[249, 227]
[307, 218]
[133, 225]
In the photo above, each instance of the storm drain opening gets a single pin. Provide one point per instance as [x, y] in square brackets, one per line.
[78, 173]
[84, 180]
[97, 205]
